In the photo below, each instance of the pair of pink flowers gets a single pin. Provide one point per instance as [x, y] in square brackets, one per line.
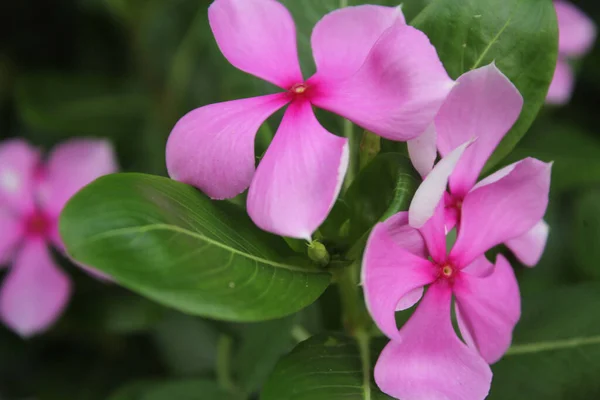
[372, 68]
[425, 359]
[32, 194]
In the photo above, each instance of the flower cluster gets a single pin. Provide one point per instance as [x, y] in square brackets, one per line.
[32, 196]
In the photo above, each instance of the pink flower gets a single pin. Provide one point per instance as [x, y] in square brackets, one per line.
[371, 68]
[484, 105]
[576, 35]
[425, 359]
[32, 195]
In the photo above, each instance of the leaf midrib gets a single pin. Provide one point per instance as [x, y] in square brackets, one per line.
[172, 228]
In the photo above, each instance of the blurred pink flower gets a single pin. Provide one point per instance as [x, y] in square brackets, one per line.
[576, 35]
[32, 195]
[483, 105]
[425, 359]
[372, 68]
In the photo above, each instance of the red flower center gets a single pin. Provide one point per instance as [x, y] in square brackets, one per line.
[37, 224]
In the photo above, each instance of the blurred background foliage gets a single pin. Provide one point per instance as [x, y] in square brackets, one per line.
[127, 70]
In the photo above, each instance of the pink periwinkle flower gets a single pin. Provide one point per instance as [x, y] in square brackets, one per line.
[483, 105]
[576, 35]
[32, 196]
[372, 68]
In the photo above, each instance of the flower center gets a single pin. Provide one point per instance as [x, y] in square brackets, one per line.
[37, 224]
[299, 89]
[447, 271]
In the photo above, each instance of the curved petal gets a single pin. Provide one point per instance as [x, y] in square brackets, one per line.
[398, 90]
[391, 277]
[342, 39]
[481, 267]
[258, 37]
[502, 210]
[423, 151]
[212, 147]
[428, 361]
[484, 105]
[488, 309]
[405, 235]
[563, 84]
[576, 31]
[530, 246]
[35, 292]
[300, 176]
[11, 233]
[71, 166]
[19, 163]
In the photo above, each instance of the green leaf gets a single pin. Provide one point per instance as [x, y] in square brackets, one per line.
[586, 234]
[520, 36]
[556, 350]
[167, 241]
[325, 367]
[170, 390]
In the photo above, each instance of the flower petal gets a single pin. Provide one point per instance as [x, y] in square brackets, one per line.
[428, 361]
[212, 147]
[342, 39]
[11, 233]
[258, 37]
[18, 168]
[576, 31]
[300, 176]
[530, 246]
[488, 310]
[35, 292]
[398, 90]
[484, 105]
[423, 150]
[563, 84]
[71, 166]
[392, 275]
[502, 210]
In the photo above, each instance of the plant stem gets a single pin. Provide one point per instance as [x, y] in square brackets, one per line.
[300, 334]
[224, 347]
[553, 345]
[343, 3]
[353, 146]
[355, 317]
[363, 340]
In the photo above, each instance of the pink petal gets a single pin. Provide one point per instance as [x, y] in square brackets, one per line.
[423, 150]
[563, 84]
[434, 234]
[300, 176]
[19, 163]
[488, 310]
[428, 361]
[484, 105]
[404, 235]
[35, 292]
[397, 92]
[342, 40]
[576, 31]
[503, 210]
[258, 37]
[530, 246]
[212, 147]
[481, 267]
[392, 275]
[11, 233]
[432, 190]
[71, 166]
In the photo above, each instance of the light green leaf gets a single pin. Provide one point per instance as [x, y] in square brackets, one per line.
[167, 241]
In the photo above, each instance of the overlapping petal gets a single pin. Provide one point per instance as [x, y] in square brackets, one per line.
[423, 150]
[212, 147]
[530, 246]
[35, 291]
[502, 210]
[562, 84]
[428, 361]
[576, 31]
[19, 163]
[11, 233]
[300, 176]
[392, 276]
[397, 92]
[488, 309]
[342, 40]
[484, 105]
[258, 37]
[71, 166]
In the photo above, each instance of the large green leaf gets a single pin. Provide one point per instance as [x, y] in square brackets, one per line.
[520, 36]
[169, 242]
[325, 367]
[556, 350]
[173, 390]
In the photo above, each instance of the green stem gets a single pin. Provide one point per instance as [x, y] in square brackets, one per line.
[300, 334]
[363, 341]
[354, 314]
[552, 345]
[353, 146]
[224, 348]
[343, 3]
